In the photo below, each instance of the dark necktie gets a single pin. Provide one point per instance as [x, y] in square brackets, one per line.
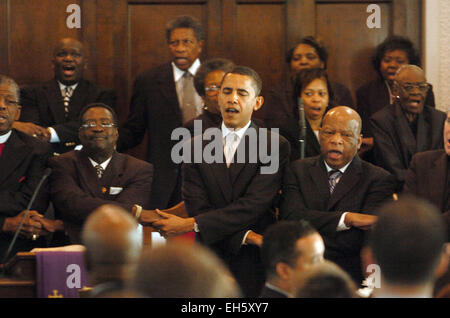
[67, 95]
[1, 148]
[100, 171]
[333, 179]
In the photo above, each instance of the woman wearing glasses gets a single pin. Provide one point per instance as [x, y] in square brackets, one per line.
[207, 84]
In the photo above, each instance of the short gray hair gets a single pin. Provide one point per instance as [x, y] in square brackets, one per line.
[5, 80]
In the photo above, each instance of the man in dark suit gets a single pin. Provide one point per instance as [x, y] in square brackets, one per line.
[289, 248]
[50, 110]
[428, 176]
[84, 180]
[164, 98]
[230, 203]
[337, 192]
[408, 126]
[22, 164]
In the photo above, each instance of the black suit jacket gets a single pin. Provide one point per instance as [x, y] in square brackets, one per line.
[427, 178]
[280, 110]
[268, 292]
[76, 191]
[42, 104]
[227, 202]
[22, 166]
[362, 189]
[154, 109]
[373, 96]
[394, 142]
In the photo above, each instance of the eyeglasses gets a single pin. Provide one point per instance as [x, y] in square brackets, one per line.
[93, 124]
[409, 87]
[212, 89]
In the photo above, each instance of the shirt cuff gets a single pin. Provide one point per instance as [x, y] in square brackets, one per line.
[54, 138]
[245, 237]
[341, 225]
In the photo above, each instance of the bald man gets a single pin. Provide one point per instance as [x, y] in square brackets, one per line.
[408, 126]
[337, 192]
[113, 248]
[50, 110]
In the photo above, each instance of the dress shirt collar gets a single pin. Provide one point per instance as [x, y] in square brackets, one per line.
[62, 87]
[342, 170]
[239, 132]
[104, 164]
[4, 138]
[177, 73]
[277, 289]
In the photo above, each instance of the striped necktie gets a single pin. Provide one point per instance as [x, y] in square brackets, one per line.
[67, 95]
[333, 179]
[100, 171]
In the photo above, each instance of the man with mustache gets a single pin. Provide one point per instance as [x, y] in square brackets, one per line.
[164, 98]
[337, 192]
[84, 180]
[50, 110]
[408, 126]
[22, 164]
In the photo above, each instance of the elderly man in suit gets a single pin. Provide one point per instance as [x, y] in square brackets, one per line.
[164, 98]
[22, 164]
[97, 174]
[428, 176]
[50, 110]
[230, 201]
[408, 126]
[337, 192]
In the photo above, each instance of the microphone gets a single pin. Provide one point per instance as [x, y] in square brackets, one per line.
[16, 233]
[302, 123]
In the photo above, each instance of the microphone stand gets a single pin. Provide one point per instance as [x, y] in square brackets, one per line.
[302, 124]
[16, 234]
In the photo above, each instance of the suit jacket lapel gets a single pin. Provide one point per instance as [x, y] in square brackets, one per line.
[404, 134]
[245, 148]
[422, 133]
[14, 152]
[87, 173]
[319, 176]
[114, 170]
[167, 88]
[348, 180]
[438, 184]
[55, 101]
[77, 101]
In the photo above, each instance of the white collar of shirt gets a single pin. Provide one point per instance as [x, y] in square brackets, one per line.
[275, 288]
[62, 87]
[4, 138]
[240, 132]
[341, 170]
[177, 73]
[104, 164]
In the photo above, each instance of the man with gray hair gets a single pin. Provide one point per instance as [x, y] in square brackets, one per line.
[164, 98]
[22, 161]
[408, 126]
[113, 246]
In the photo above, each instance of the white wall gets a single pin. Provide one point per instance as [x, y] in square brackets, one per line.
[436, 49]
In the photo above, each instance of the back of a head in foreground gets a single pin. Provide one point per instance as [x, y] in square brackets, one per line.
[407, 241]
[178, 270]
[325, 280]
[111, 236]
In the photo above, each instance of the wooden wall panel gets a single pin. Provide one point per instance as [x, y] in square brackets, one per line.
[259, 40]
[350, 43]
[34, 28]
